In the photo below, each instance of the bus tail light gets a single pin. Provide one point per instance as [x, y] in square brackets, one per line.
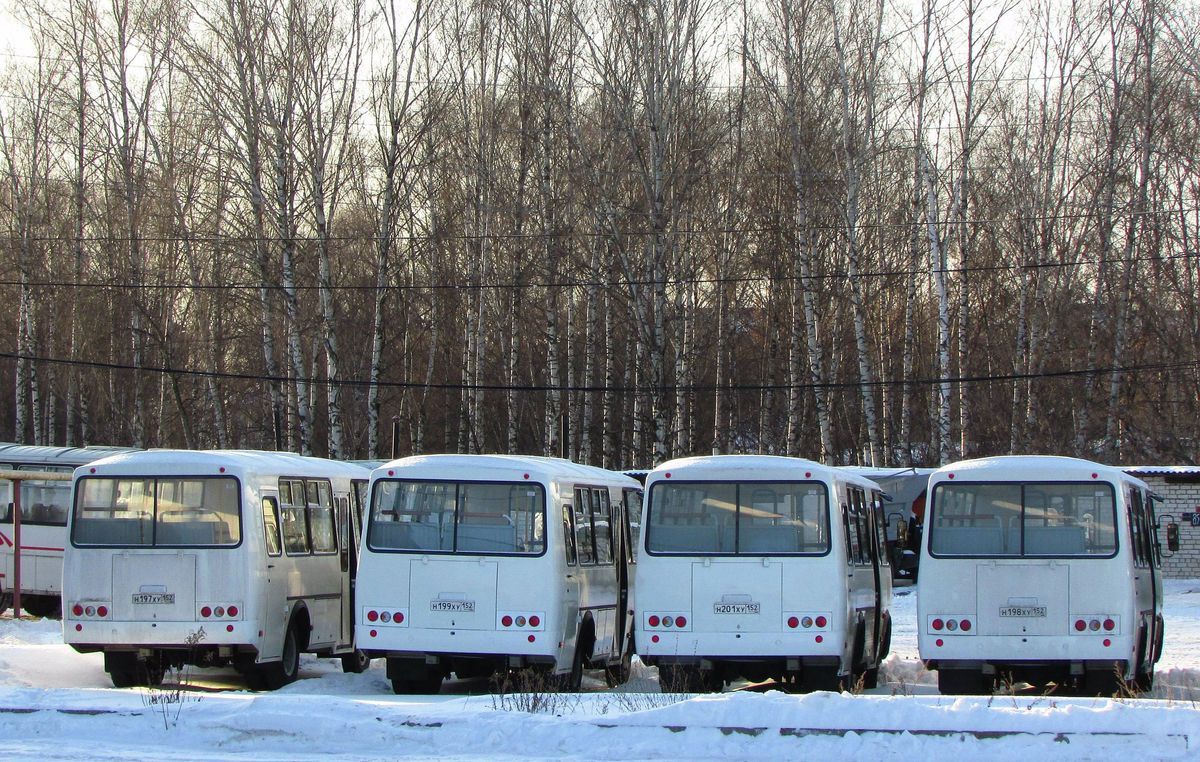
[805, 620]
[372, 616]
[1095, 624]
[522, 620]
[89, 610]
[953, 624]
[674, 621]
[77, 610]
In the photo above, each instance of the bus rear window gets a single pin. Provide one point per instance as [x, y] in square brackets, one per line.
[1032, 519]
[157, 512]
[458, 517]
[747, 518]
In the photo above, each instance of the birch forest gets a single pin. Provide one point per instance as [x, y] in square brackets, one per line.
[883, 232]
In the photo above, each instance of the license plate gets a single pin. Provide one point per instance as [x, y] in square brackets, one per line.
[1023, 611]
[159, 598]
[468, 606]
[735, 608]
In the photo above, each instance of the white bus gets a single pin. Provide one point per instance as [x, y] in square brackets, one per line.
[44, 507]
[212, 558]
[762, 567]
[478, 564]
[1039, 570]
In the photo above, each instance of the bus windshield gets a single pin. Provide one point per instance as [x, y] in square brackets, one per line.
[1029, 519]
[157, 512]
[738, 518]
[458, 517]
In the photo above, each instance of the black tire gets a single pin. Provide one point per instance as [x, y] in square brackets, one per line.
[276, 674]
[963, 682]
[45, 606]
[1104, 683]
[823, 679]
[573, 680]
[618, 674]
[870, 678]
[356, 662]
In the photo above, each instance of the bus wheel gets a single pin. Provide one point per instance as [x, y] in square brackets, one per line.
[822, 679]
[1104, 683]
[618, 674]
[573, 680]
[276, 674]
[356, 662]
[963, 682]
[413, 676]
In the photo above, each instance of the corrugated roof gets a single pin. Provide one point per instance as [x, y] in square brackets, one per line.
[1162, 470]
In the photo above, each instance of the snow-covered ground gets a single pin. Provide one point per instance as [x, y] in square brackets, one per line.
[56, 704]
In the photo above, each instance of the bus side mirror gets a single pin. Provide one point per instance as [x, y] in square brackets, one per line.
[1173, 537]
[896, 520]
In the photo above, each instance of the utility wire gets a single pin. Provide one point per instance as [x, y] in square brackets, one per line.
[637, 389]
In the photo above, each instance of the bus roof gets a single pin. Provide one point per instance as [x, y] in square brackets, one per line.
[246, 461]
[1055, 468]
[754, 467]
[50, 455]
[502, 467]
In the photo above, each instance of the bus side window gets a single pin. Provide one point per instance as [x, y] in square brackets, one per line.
[295, 518]
[568, 536]
[320, 517]
[633, 520]
[270, 511]
[880, 529]
[342, 506]
[850, 524]
[602, 526]
[583, 527]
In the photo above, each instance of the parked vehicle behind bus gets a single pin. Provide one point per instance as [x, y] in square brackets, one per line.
[44, 508]
[1040, 570]
[762, 567]
[904, 511]
[209, 558]
[478, 564]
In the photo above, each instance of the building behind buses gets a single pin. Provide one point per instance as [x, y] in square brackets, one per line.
[762, 567]
[1040, 570]
[44, 508]
[210, 558]
[478, 564]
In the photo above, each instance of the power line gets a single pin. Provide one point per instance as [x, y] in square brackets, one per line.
[665, 388]
[577, 283]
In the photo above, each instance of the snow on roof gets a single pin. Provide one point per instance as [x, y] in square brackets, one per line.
[500, 467]
[49, 455]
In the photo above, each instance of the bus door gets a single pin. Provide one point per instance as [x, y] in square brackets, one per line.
[347, 544]
[572, 583]
[865, 552]
[626, 557]
[272, 593]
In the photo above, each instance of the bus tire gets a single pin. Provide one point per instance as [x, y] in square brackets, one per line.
[963, 682]
[356, 662]
[618, 674]
[825, 678]
[276, 674]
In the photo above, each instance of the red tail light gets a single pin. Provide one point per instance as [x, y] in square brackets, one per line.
[937, 624]
[680, 621]
[534, 621]
[77, 610]
[232, 611]
[206, 612]
[506, 621]
[652, 621]
[102, 611]
[965, 625]
[1080, 625]
[398, 617]
[793, 622]
[822, 621]
[1109, 625]
[372, 616]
